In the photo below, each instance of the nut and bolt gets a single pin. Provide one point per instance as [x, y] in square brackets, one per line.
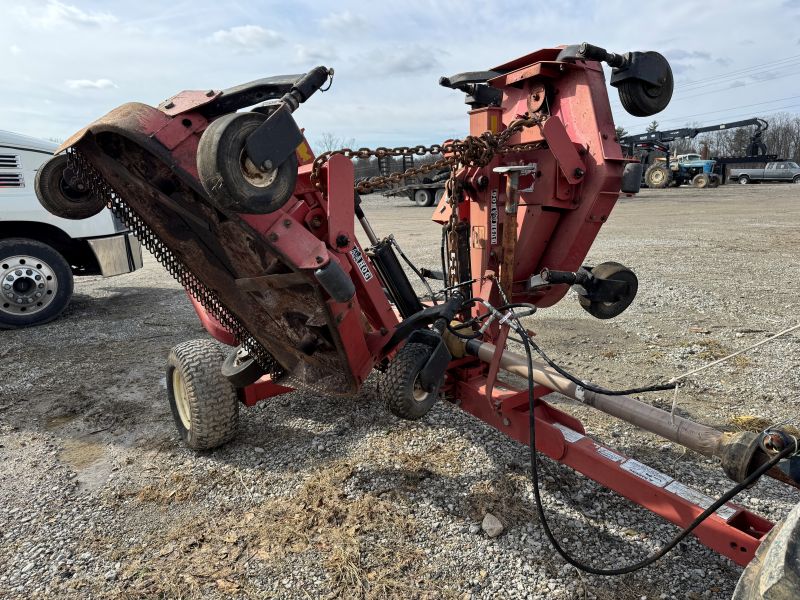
[272, 237]
[266, 165]
[287, 223]
[319, 259]
[169, 105]
[579, 172]
[316, 222]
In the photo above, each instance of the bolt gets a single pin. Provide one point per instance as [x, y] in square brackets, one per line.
[37, 277]
[605, 136]
[210, 93]
[38, 294]
[41, 285]
[272, 237]
[6, 286]
[169, 105]
[579, 172]
[384, 331]
[28, 272]
[19, 300]
[10, 277]
[316, 222]
[342, 240]
[319, 260]
[506, 422]
[18, 273]
[287, 223]
[266, 165]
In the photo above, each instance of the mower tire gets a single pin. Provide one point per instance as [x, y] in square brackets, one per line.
[401, 389]
[642, 99]
[240, 369]
[204, 403]
[60, 195]
[229, 177]
[774, 572]
[609, 310]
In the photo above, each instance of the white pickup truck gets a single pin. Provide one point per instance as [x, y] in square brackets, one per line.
[40, 253]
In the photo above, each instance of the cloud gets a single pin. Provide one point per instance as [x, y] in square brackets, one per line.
[681, 55]
[14, 49]
[417, 58]
[737, 83]
[57, 14]
[89, 84]
[343, 21]
[311, 54]
[249, 38]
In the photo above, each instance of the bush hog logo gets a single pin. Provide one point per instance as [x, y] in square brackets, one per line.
[493, 219]
[361, 263]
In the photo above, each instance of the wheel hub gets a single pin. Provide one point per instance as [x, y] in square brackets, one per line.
[181, 398]
[255, 176]
[27, 285]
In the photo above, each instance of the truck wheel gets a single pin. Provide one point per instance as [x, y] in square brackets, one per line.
[796, 179]
[35, 283]
[404, 396]
[657, 176]
[774, 571]
[204, 403]
[423, 197]
[229, 177]
[700, 181]
[609, 310]
[240, 369]
[744, 179]
[60, 195]
[438, 196]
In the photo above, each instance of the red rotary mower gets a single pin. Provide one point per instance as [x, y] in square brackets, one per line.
[261, 233]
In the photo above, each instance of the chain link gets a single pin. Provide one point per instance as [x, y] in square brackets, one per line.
[472, 151]
[97, 184]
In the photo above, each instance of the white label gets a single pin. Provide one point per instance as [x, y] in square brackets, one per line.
[493, 219]
[570, 435]
[606, 453]
[699, 498]
[358, 258]
[649, 474]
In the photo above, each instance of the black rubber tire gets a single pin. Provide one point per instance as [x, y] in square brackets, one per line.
[657, 176]
[701, 181]
[774, 572]
[61, 272]
[609, 310]
[60, 198]
[744, 179]
[212, 402]
[423, 197]
[399, 383]
[641, 99]
[713, 181]
[796, 179]
[228, 177]
[240, 371]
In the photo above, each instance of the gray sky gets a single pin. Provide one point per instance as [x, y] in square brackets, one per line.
[67, 62]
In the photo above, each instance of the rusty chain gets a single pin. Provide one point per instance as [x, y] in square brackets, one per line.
[472, 151]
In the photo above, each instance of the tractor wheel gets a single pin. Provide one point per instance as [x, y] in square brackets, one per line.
[609, 310]
[657, 176]
[423, 197]
[774, 572]
[713, 181]
[701, 181]
[438, 196]
[204, 403]
[60, 195]
[744, 179]
[402, 391]
[240, 369]
[229, 177]
[642, 99]
[35, 283]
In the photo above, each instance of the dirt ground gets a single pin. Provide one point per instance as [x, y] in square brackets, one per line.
[321, 497]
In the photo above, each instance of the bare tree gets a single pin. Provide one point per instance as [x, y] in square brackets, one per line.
[328, 141]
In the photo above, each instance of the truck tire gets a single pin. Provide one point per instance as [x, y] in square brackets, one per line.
[657, 176]
[700, 181]
[35, 283]
[438, 196]
[744, 179]
[796, 179]
[204, 403]
[423, 197]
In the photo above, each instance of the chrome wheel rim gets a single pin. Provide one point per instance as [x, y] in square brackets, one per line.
[28, 285]
[181, 398]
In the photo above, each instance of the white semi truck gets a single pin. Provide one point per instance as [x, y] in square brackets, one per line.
[40, 253]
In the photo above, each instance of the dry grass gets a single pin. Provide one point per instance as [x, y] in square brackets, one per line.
[713, 350]
[503, 497]
[758, 424]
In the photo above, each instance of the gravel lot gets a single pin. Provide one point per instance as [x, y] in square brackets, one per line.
[323, 497]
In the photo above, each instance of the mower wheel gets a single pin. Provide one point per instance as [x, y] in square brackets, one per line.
[204, 403]
[701, 181]
[229, 177]
[642, 99]
[60, 195]
[609, 310]
[401, 389]
[774, 572]
[423, 197]
[240, 368]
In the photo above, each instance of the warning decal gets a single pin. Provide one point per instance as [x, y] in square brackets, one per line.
[649, 474]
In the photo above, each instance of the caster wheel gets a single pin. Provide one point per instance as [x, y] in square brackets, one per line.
[609, 310]
[403, 393]
[61, 195]
[204, 403]
[229, 177]
[642, 99]
[240, 369]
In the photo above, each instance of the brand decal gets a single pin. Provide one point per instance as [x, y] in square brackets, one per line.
[493, 219]
[358, 258]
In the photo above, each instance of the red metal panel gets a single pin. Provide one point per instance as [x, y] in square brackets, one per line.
[261, 390]
[211, 325]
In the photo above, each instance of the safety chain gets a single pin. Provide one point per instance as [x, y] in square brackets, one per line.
[472, 151]
[99, 187]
